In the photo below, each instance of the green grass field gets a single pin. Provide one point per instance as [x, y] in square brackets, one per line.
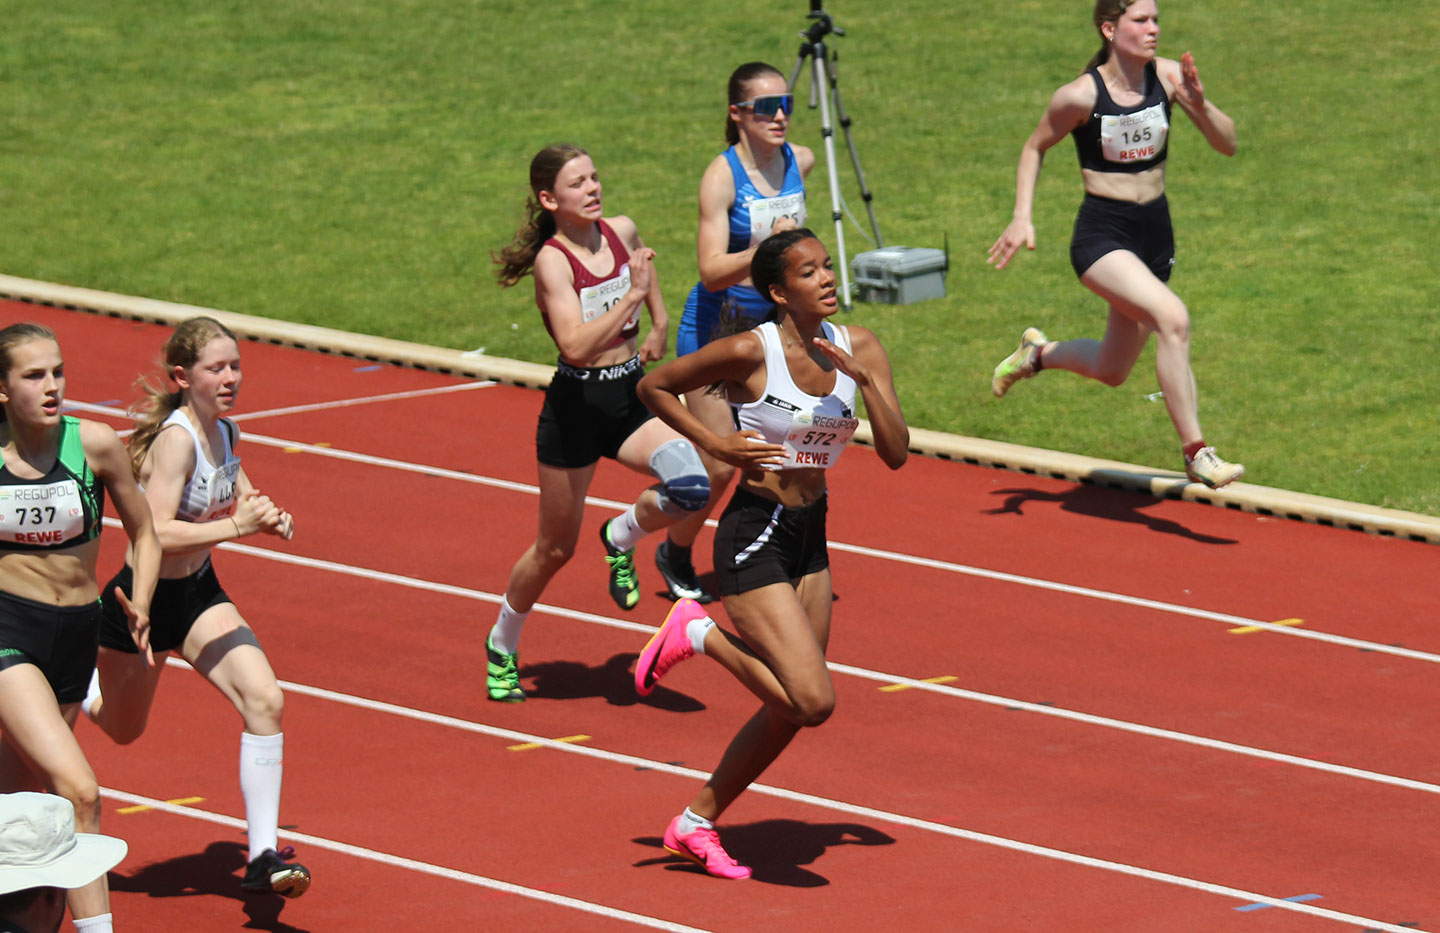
[353, 164]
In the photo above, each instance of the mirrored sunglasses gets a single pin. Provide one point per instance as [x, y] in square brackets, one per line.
[770, 104]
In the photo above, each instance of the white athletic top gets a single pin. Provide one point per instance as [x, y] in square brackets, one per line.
[209, 493]
[813, 428]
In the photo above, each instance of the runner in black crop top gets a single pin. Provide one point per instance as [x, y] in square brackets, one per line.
[54, 475]
[1118, 112]
[1133, 138]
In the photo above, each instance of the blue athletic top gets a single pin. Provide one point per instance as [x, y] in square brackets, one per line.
[747, 228]
[60, 509]
[742, 233]
[1125, 139]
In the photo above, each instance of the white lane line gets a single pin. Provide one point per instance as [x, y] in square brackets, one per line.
[1137, 601]
[1313, 764]
[878, 553]
[633, 761]
[363, 400]
[385, 858]
[1122, 725]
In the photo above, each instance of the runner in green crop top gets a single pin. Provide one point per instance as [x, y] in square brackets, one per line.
[55, 472]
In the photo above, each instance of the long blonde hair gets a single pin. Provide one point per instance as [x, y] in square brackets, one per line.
[182, 349]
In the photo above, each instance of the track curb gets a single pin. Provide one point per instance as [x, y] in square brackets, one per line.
[1247, 497]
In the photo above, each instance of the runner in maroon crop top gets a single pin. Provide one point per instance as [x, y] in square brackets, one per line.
[592, 276]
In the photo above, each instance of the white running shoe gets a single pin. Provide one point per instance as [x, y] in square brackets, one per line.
[1020, 364]
[1207, 467]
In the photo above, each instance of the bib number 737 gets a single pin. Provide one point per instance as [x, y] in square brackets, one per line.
[45, 515]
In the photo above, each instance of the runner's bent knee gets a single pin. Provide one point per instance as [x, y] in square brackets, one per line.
[684, 483]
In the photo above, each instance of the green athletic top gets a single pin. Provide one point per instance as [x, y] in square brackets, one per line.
[60, 509]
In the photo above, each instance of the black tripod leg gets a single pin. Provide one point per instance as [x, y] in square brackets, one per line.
[800, 57]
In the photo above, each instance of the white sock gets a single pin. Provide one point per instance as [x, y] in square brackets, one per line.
[262, 759]
[91, 694]
[505, 636]
[697, 629]
[104, 923]
[689, 822]
[624, 530]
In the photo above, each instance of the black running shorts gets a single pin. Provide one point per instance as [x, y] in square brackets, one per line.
[1104, 225]
[173, 610]
[589, 413]
[60, 640]
[760, 542]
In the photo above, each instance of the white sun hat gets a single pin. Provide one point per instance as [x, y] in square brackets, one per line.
[40, 848]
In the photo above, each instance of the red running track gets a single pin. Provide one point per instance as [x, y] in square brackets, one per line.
[1080, 739]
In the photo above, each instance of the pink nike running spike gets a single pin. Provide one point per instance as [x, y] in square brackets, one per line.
[703, 848]
[667, 647]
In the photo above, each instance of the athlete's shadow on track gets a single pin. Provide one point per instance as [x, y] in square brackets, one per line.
[1096, 502]
[776, 850]
[614, 681]
[212, 873]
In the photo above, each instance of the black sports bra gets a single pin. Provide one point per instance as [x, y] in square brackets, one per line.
[1125, 139]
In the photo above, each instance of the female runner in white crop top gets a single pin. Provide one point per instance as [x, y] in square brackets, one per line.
[182, 452]
[793, 384]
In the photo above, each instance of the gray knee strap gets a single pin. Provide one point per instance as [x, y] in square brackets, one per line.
[684, 484]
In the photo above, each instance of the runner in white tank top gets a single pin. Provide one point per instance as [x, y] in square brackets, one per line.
[793, 384]
[183, 453]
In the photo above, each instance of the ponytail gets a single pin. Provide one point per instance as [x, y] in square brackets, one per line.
[518, 259]
[182, 349]
[767, 268]
[737, 91]
[1106, 11]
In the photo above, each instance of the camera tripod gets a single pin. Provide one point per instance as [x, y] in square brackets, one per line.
[824, 83]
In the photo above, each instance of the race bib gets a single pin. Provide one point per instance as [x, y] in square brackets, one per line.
[1134, 137]
[815, 441]
[764, 212]
[219, 491]
[48, 514]
[595, 300]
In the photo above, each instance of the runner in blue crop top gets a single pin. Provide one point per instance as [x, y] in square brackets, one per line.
[751, 216]
[54, 474]
[754, 188]
[796, 380]
[1118, 112]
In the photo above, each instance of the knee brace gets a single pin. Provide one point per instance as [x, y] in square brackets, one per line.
[684, 484]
